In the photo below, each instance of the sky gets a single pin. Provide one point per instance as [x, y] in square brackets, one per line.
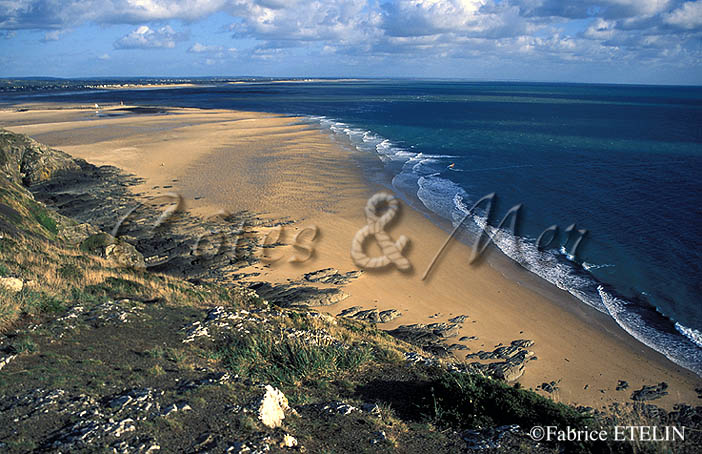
[605, 41]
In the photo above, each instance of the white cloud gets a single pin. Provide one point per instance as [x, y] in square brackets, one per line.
[39, 14]
[198, 48]
[53, 35]
[145, 37]
[429, 17]
[688, 16]
[600, 29]
[374, 29]
[343, 21]
[579, 9]
[104, 57]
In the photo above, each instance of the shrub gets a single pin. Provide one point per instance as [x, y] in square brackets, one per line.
[33, 302]
[95, 243]
[70, 272]
[463, 400]
[285, 361]
[41, 215]
[115, 287]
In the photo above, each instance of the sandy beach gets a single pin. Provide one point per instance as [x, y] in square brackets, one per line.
[282, 167]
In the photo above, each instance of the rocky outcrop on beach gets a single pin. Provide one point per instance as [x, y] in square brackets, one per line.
[370, 315]
[26, 161]
[651, 392]
[331, 276]
[298, 295]
[513, 358]
[431, 338]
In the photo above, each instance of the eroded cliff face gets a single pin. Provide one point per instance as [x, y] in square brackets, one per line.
[24, 165]
[25, 161]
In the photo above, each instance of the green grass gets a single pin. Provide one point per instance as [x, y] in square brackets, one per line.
[94, 243]
[70, 272]
[463, 400]
[472, 401]
[41, 215]
[7, 245]
[285, 361]
[24, 345]
[115, 286]
[81, 296]
[33, 302]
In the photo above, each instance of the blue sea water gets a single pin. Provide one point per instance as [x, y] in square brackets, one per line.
[623, 162]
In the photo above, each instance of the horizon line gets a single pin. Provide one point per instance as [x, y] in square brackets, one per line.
[360, 78]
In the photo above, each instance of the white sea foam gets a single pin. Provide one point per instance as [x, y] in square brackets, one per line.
[692, 334]
[594, 266]
[681, 350]
[447, 199]
[544, 263]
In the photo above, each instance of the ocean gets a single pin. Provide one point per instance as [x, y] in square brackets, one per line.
[623, 163]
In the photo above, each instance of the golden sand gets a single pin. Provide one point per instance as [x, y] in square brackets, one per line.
[283, 168]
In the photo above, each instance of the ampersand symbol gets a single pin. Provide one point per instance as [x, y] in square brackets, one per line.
[392, 250]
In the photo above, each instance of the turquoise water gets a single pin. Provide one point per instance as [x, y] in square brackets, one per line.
[622, 162]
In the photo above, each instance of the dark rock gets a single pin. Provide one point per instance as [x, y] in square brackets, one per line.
[349, 311]
[291, 295]
[370, 315]
[380, 437]
[548, 387]
[650, 392]
[507, 371]
[429, 337]
[490, 438]
[28, 162]
[514, 356]
[686, 415]
[331, 276]
[390, 314]
[622, 385]
[522, 343]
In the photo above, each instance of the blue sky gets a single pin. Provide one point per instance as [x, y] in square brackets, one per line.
[621, 41]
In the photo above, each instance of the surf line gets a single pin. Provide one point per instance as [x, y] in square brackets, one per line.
[545, 239]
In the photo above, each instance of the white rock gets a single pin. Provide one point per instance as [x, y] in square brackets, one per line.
[6, 360]
[238, 448]
[12, 284]
[271, 408]
[288, 441]
[339, 408]
[381, 437]
[122, 427]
